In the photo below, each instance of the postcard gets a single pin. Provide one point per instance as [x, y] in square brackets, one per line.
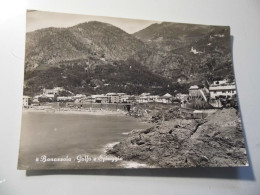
[113, 93]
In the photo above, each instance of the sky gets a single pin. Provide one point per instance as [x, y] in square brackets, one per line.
[39, 19]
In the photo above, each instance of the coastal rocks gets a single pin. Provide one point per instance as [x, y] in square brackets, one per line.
[179, 142]
[166, 115]
[155, 113]
[155, 145]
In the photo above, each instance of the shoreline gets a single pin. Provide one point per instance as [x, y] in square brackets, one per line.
[85, 112]
[125, 164]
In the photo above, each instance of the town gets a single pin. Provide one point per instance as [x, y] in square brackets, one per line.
[219, 94]
[161, 96]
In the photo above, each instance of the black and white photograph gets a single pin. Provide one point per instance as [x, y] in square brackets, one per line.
[114, 93]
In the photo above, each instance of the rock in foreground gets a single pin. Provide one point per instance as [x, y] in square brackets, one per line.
[216, 141]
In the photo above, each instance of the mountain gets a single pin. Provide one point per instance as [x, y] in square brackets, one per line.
[169, 36]
[92, 40]
[95, 57]
[200, 52]
[112, 42]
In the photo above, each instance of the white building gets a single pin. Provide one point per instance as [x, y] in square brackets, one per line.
[26, 101]
[35, 99]
[53, 91]
[147, 98]
[124, 98]
[222, 88]
[193, 88]
[64, 98]
[112, 97]
[196, 93]
[167, 95]
[145, 94]
[100, 98]
[220, 82]
[86, 100]
[142, 99]
[153, 98]
[166, 99]
[181, 96]
[79, 96]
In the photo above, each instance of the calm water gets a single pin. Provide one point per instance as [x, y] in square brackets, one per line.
[61, 135]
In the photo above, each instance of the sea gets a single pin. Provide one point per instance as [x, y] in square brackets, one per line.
[73, 141]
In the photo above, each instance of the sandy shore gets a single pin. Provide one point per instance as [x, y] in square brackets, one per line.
[88, 112]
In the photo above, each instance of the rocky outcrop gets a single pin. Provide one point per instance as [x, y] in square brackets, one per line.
[155, 112]
[179, 142]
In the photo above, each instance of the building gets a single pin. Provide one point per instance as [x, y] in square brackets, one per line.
[182, 97]
[26, 101]
[193, 90]
[64, 99]
[196, 93]
[45, 98]
[145, 94]
[201, 114]
[153, 98]
[51, 96]
[222, 89]
[122, 97]
[79, 96]
[198, 98]
[51, 93]
[141, 99]
[221, 82]
[100, 98]
[162, 100]
[131, 99]
[35, 99]
[54, 91]
[166, 99]
[112, 97]
[167, 95]
[147, 98]
[86, 100]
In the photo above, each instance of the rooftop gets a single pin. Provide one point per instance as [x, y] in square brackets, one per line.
[194, 87]
[222, 87]
[167, 95]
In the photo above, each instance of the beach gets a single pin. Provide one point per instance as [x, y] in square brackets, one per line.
[97, 112]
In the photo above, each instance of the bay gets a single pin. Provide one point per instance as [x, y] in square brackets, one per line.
[74, 136]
